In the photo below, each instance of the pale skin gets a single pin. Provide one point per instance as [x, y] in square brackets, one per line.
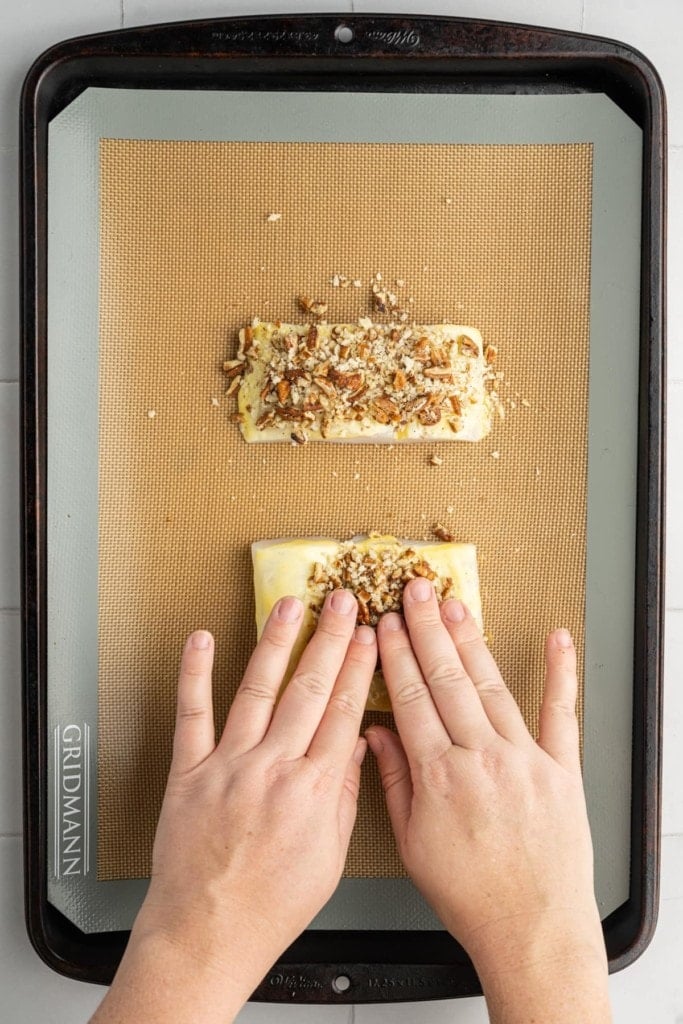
[254, 829]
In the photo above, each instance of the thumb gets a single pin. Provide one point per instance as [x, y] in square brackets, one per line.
[395, 773]
[349, 797]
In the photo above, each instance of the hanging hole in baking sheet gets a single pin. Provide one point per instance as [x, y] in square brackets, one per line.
[342, 983]
[343, 34]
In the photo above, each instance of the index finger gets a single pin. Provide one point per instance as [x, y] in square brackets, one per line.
[451, 688]
[303, 703]
[337, 734]
[421, 730]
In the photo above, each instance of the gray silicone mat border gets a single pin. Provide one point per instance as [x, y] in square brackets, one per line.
[73, 247]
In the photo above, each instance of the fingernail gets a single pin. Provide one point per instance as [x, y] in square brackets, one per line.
[563, 638]
[343, 602]
[374, 742]
[289, 609]
[420, 590]
[360, 751]
[454, 611]
[200, 640]
[364, 635]
[392, 621]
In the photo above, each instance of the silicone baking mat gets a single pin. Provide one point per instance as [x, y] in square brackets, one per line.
[493, 236]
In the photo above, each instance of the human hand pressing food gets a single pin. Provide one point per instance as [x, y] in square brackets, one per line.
[490, 824]
[254, 830]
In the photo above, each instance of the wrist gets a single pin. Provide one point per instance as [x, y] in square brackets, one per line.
[226, 943]
[165, 978]
[511, 941]
[552, 963]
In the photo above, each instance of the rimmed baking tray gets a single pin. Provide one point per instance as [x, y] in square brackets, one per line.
[447, 81]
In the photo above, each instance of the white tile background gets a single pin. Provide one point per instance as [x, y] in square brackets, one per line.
[651, 990]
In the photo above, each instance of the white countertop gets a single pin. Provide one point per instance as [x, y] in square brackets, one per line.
[652, 989]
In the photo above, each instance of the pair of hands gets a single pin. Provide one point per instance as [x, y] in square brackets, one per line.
[490, 824]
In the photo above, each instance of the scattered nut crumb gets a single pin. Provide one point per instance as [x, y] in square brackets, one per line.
[448, 200]
[526, 403]
[357, 283]
[215, 403]
[495, 455]
[538, 470]
[151, 413]
[436, 460]
[273, 217]
[314, 306]
[442, 533]
[400, 282]
[356, 476]
[450, 509]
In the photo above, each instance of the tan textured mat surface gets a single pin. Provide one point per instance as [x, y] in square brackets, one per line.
[497, 237]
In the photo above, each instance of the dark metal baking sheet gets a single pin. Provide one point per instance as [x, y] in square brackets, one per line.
[420, 57]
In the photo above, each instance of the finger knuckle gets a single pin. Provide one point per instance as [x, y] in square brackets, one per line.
[192, 712]
[336, 628]
[560, 708]
[410, 692]
[193, 670]
[276, 638]
[312, 682]
[471, 639]
[352, 786]
[435, 771]
[346, 703]
[393, 777]
[445, 673]
[256, 689]
[489, 686]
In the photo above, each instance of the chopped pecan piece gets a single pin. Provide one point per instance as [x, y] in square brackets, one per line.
[232, 367]
[439, 372]
[387, 406]
[442, 533]
[466, 344]
[429, 416]
[287, 412]
[348, 381]
[424, 570]
[265, 418]
[234, 384]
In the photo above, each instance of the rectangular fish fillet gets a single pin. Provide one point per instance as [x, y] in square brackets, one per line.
[374, 566]
[362, 382]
